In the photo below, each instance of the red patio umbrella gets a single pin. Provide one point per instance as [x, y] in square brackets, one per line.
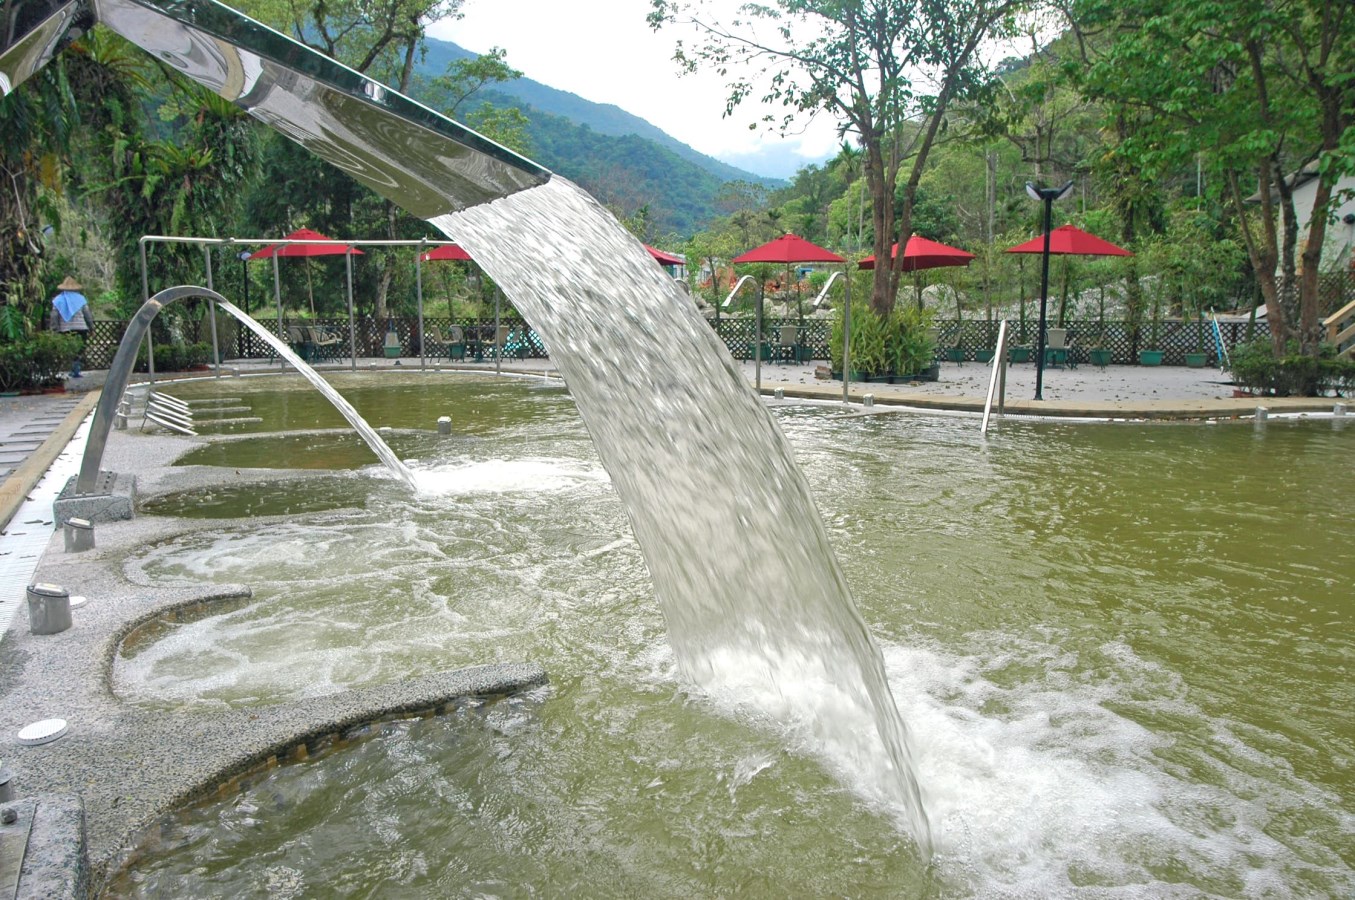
[449, 252]
[789, 248]
[1070, 241]
[446, 251]
[272, 251]
[1065, 240]
[920, 253]
[665, 259]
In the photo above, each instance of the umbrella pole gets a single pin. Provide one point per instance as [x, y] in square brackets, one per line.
[846, 335]
[277, 295]
[352, 329]
[757, 339]
[418, 293]
[310, 287]
[498, 348]
[211, 310]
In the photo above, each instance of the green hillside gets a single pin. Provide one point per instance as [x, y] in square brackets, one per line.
[620, 158]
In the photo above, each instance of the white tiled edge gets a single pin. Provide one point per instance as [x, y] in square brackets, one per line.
[28, 533]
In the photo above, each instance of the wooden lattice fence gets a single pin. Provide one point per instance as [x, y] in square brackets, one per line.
[1175, 338]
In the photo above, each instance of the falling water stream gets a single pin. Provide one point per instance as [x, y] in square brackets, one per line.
[379, 447]
[757, 609]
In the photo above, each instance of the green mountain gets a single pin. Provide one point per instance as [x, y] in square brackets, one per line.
[618, 157]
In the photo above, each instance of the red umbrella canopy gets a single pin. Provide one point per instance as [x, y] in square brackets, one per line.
[446, 251]
[304, 234]
[1071, 241]
[665, 259]
[788, 248]
[920, 253]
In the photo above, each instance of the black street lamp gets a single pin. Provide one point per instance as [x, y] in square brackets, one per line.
[1048, 195]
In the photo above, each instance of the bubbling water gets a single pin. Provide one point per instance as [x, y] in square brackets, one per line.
[758, 612]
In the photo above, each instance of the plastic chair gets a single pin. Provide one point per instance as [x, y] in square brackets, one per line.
[455, 343]
[1056, 347]
[300, 342]
[788, 344]
[323, 340]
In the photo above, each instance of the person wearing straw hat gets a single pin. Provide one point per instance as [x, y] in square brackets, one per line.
[71, 315]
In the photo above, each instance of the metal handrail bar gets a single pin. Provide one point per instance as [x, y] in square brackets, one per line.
[823, 294]
[168, 399]
[757, 337]
[738, 284]
[168, 413]
[164, 423]
[1219, 345]
[999, 365]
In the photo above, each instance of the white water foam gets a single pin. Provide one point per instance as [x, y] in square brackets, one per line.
[1044, 789]
[502, 476]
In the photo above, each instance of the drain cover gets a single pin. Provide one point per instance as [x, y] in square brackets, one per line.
[43, 732]
[77, 602]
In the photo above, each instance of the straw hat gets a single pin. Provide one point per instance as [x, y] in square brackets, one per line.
[70, 284]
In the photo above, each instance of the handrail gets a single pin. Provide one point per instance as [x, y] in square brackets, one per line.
[999, 364]
[1224, 362]
[818, 301]
[1338, 337]
[738, 284]
[166, 423]
[757, 337]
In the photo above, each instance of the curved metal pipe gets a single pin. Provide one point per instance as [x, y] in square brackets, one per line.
[119, 372]
[757, 338]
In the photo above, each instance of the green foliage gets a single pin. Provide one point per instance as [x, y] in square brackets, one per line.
[174, 357]
[1255, 367]
[37, 363]
[897, 344]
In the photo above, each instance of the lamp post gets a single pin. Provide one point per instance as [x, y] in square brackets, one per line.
[243, 256]
[1048, 196]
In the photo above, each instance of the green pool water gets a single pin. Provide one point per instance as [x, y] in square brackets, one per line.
[1124, 653]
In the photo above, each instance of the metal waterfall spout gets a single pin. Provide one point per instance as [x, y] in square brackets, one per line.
[404, 151]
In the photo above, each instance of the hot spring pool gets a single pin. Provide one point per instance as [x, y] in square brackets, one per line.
[1124, 653]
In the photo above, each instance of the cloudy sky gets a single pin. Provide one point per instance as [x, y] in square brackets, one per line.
[604, 51]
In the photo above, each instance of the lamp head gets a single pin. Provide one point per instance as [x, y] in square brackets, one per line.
[243, 255]
[1033, 191]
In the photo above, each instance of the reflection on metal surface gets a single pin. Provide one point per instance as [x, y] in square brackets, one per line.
[31, 33]
[407, 153]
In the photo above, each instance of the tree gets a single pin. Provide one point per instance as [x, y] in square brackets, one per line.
[1254, 89]
[866, 62]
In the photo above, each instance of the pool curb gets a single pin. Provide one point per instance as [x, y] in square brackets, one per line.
[16, 487]
[131, 766]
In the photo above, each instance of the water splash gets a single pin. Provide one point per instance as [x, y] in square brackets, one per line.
[758, 612]
[379, 447]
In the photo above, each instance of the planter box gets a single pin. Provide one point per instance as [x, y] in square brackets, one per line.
[1020, 354]
[1197, 360]
[955, 354]
[983, 356]
[1151, 357]
[1099, 357]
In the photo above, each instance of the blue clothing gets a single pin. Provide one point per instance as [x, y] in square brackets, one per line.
[69, 304]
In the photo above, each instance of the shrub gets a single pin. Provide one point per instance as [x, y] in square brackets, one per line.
[1255, 367]
[175, 357]
[894, 345]
[37, 363]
